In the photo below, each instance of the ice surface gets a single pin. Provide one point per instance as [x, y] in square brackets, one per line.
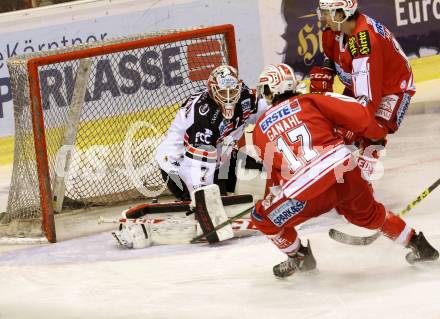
[90, 277]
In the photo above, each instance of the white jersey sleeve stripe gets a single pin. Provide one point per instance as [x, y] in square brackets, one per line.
[315, 170]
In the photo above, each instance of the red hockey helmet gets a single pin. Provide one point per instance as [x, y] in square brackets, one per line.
[348, 6]
[276, 79]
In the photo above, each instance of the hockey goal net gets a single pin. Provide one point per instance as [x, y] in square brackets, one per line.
[88, 119]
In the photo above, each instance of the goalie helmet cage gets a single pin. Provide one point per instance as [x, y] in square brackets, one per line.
[135, 87]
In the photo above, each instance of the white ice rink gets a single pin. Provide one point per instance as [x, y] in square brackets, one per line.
[90, 278]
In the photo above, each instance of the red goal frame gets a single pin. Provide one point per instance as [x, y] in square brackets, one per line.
[46, 197]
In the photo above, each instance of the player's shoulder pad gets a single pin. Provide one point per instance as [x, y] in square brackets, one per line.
[246, 91]
[360, 44]
[248, 99]
[193, 99]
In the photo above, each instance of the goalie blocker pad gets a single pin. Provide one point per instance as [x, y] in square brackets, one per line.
[210, 212]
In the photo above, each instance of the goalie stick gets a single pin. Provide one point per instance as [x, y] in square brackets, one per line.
[367, 240]
[238, 224]
[220, 226]
[180, 207]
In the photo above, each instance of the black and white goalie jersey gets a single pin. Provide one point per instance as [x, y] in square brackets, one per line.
[200, 140]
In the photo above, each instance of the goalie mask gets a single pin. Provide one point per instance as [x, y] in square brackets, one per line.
[349, 7]
[276, 79]
[224, 87]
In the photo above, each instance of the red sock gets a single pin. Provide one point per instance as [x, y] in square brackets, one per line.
[396, 229]
[286, 240]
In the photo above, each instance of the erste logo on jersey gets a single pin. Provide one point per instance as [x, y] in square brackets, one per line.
[284, 110]
[204, 137]
[286, 211]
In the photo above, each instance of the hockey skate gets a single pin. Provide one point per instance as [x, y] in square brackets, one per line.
[421, 250]
[303, 260]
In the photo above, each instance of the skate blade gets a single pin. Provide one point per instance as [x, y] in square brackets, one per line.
[307, 273]
[413, 259]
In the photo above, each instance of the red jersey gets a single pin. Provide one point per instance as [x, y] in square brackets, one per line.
[371, 62]
[298, 145]
[335, 49]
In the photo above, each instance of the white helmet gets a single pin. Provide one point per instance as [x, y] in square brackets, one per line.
[276, 79]
[224, 87]
[348, 6]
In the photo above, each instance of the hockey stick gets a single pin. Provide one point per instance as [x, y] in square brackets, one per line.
[220, 226]
[367, 240]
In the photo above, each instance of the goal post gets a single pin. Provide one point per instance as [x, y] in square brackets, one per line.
[135, 87]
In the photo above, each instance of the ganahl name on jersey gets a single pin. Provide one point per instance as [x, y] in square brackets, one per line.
[286, 211]
[359, 44]
[284, 110]
[282, 122]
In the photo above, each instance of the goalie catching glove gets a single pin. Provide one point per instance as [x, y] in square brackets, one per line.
[133, 235]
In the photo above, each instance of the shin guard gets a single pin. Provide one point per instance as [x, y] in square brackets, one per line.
[210, 212]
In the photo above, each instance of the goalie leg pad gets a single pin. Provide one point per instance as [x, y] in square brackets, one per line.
[210, 212]
[133, 236]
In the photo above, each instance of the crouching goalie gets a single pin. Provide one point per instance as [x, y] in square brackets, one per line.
[198, 149]
[208, 212]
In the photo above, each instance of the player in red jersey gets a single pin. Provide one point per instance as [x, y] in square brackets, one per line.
[312, 171]
[368, 60]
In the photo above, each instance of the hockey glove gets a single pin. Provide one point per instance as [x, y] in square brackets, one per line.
[368, 162]
[321, 80]
[372, 148]
[348, 136]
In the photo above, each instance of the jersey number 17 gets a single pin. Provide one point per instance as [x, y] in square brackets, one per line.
[304, 153]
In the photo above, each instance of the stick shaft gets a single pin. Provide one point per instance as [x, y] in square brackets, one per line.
[419, 198]
[367, 240]
[220, 226]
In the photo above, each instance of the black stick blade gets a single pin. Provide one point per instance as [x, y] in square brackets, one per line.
[352, 240]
